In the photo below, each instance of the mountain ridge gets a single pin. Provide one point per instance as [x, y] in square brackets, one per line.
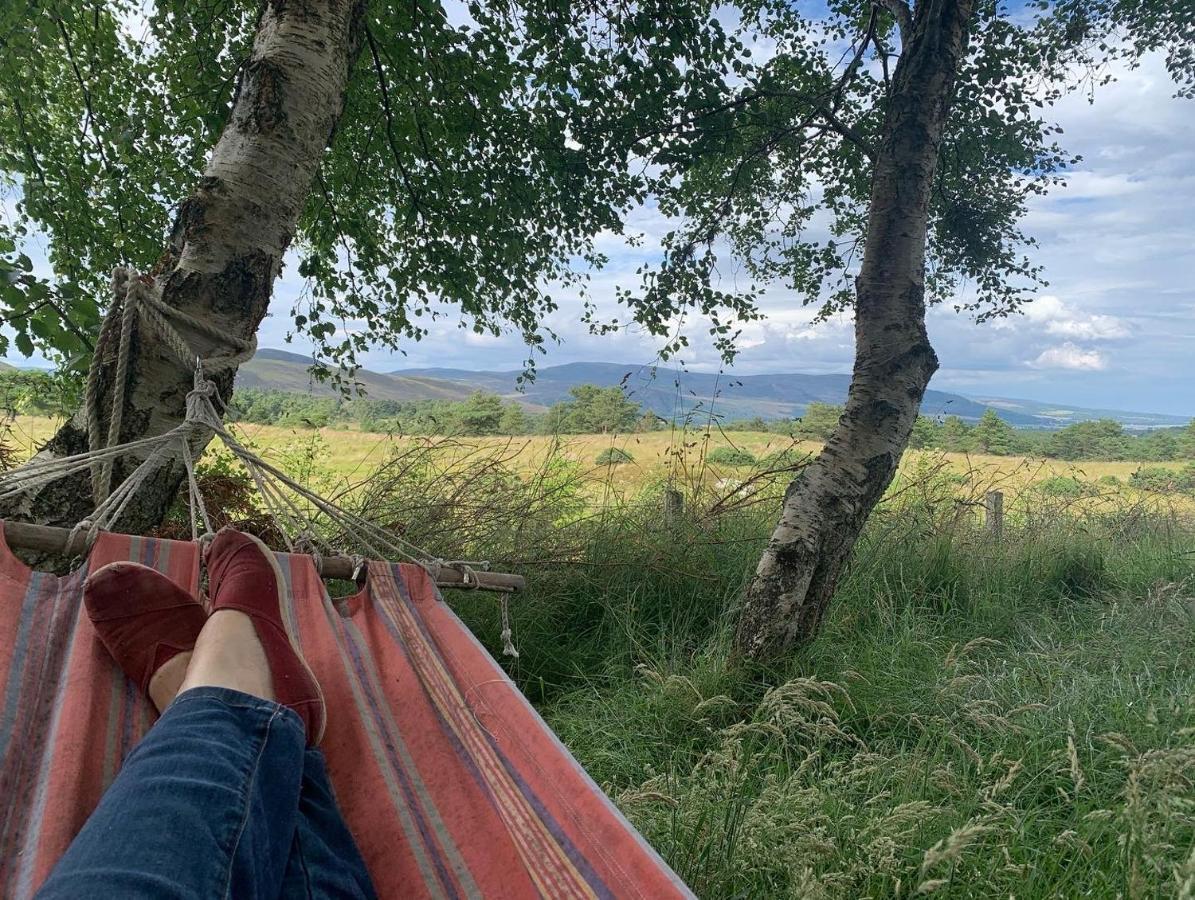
[667, 392]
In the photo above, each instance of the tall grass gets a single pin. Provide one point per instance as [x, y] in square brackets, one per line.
[977, 718]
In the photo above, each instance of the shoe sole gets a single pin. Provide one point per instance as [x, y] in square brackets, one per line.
[280, 581]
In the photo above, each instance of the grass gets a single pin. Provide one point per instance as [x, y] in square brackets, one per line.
[978, 717]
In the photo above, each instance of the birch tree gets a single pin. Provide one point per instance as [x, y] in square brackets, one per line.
[878, 160]
[418, 166]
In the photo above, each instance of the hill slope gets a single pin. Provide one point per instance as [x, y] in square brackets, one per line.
[666, 392]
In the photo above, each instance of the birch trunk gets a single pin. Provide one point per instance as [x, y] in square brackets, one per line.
[225, 249]
[826, 507]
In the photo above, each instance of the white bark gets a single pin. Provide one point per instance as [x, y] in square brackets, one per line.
[826, 507]
[229, 237]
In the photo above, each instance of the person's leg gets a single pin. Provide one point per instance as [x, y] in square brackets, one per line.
[205, 806]
[324, 860]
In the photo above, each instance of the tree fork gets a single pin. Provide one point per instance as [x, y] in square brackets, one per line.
[226, 246]
[827, 505]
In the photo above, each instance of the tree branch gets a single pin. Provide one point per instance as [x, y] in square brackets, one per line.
[903, 15]
[416, 202]
[848, 131]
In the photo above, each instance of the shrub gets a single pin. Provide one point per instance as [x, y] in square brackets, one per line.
[1110, 480]
[1162, 480]
[1064, 486]
[613, 456]
[729, 456]
[788, 458]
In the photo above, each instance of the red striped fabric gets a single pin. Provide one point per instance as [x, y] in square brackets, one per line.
[450, 782]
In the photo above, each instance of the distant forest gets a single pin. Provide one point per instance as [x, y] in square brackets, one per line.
[596, 410]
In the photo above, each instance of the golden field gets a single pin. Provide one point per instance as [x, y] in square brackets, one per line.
[345, 455]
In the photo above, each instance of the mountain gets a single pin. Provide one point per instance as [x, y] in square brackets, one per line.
[666, 392]
[282, 371]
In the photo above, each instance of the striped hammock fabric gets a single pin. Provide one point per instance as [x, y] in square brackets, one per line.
[450, 782]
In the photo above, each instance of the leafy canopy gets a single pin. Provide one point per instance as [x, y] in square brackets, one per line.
[487, 149]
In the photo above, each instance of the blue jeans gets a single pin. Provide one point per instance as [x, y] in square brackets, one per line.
[221, 799]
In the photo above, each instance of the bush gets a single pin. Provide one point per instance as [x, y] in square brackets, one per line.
[788, 458]
[1064, 486]
[729, 456]
[1110, 480]
[1162, 480]
[613, 456]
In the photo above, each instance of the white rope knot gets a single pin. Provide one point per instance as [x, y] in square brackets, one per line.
[508, 644]
[81, 538]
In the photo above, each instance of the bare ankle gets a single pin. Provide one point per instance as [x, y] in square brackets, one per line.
[165, 683]
[228, 654]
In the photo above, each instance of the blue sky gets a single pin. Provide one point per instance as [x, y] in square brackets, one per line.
[1115, 329]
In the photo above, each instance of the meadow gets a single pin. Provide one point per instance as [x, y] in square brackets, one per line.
[351, 454]
[979, 717]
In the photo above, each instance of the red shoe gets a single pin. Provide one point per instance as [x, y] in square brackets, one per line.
[142, 617]
[243, 574]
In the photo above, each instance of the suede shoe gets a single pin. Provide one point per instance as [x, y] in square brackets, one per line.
[142, 617]
[243, 575]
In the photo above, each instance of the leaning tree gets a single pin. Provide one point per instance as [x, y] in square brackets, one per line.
[878, 159]
[415, 158]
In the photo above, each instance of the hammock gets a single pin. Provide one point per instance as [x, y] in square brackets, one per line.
[449, 781]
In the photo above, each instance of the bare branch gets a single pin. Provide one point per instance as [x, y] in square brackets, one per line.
[416, 200]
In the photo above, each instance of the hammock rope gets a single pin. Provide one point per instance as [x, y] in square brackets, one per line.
[138, 301]
[293, 508]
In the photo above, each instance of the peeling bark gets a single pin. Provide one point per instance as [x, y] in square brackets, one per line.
[826, 507]
[226, 246]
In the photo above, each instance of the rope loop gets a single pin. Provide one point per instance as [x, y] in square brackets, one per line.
[81, 538]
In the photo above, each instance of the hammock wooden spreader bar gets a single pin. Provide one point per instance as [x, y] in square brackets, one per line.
[48, 539]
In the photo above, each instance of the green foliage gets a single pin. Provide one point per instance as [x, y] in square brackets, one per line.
[469, 167]
[788, 458]
[1186, 441]
[33, 392]
[729, 456]
[818, 422]
[481, 414]
[593, 410]
[614, 456]
[1063, 486]
[1164, 481]
[1102, 439]
[993, 435]
[479, 157]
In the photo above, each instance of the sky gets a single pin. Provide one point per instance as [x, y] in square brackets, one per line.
[1115, 329]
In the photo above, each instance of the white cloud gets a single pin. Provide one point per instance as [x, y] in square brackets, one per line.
[1070, 356]
[1061, 319]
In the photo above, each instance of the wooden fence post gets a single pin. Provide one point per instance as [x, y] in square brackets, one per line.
[674, 506]
[993, 513]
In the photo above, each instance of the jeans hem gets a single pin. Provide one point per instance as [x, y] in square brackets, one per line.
[239, 700]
